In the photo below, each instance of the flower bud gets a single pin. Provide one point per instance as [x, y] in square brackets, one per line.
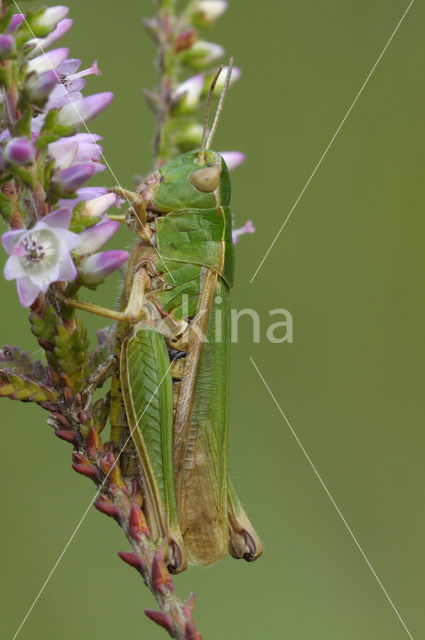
[94, 269]
[41, 44]
[96, 207]
[187, 95]
[64, 155]
[80, 111]
[84, 194]
[16, 21]
[69, 180]
[94, 238]
[7, 46]
[185, 40]
[219, 85]
[50, 60]
[205, 12]
[201, 55]
[50, 17]
[39, 86]
[233, 158]
[19, 151]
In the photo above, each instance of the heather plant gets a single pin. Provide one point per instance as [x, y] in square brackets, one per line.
[57, 227]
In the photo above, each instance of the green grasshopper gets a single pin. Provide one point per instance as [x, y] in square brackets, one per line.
[169, 399]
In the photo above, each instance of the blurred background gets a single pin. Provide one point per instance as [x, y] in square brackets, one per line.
[349, 266]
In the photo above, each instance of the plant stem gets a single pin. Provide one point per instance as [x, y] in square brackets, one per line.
[167, 66]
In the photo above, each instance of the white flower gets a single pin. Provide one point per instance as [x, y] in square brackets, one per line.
[41, 255]
[189, 91]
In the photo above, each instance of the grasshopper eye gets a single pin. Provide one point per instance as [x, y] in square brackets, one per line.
[206, 179]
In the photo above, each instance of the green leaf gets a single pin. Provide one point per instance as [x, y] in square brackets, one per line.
[20, 387]
[80, 222]
[24, 175]
[24, 124]
[43, 326]
[71, 353]
[51, 131]
[4, 77]
[5, 19]
[6, 207]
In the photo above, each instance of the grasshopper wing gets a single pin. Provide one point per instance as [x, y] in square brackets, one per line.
[148, 398]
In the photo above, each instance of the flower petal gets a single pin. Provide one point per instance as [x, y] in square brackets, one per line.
[27, 291]
[59, 219]
[13, 269]
[50, 60]
[69, 240]
[70, 66]
[67, 269]
[10, 238]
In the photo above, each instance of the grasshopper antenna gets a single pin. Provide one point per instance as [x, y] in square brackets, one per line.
[220, 104]
[207, 113]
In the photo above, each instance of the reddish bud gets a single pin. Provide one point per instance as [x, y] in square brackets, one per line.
[109, 508]
[94, 443]
[49, 406]
[110, 467]
[185, 40]
[133, 559]
[161, 579]
[52, 375]
[108, 460]
[68, 396]
[59, 417]
[67, 435]
[191, 632]
[85, 416]
[78, 400]
[83, 466]
[137, 523]
[163, 619]
[88, 470]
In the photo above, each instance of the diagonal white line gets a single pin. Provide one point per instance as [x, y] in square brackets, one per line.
[102, 155]
[319, 477]
[322, 157]
[45, 583]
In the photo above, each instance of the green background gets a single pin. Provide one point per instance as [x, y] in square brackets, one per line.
[349, 267]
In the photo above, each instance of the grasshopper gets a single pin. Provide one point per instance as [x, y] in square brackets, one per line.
[169, 396]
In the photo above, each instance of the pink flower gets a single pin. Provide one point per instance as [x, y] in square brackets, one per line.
[50, 60]
[80, 111]
[233, 159]
[77, 149]
[41, 255]
[94, 269]
[188, 93]
[70, 83]
[95, 237]
[247, 228]
[41, 44]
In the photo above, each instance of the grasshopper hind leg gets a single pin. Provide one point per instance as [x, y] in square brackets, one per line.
[243, 539]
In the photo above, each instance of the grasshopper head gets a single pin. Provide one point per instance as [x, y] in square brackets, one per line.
[197, 179]
[186, 182]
